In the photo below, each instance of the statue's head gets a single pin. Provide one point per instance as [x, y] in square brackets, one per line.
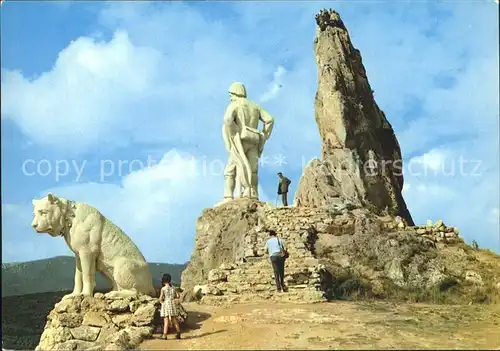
[237, 90]
[48, 215]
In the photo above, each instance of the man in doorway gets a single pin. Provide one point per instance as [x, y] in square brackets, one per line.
[283, 188]
[274, 246]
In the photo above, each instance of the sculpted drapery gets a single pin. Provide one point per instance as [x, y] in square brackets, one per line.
[244, 142]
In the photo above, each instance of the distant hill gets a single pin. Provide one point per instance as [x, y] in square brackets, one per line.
[57, 274]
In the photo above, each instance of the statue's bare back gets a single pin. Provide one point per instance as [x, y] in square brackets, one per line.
[244, 142]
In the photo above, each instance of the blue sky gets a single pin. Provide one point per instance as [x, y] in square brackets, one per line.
[99, 88]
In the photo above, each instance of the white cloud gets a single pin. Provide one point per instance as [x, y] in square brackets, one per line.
[434, 159]
[275, 86]
[77, 103]
[463, 201]
[156, 206]
[20, 242]
[195, 58]
[406, 187]
[166, 69]
[495, 215]
[163, 79]
[436, 192]
[420, 52]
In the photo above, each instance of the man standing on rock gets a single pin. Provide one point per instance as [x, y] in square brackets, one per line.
[283, 188]
[244, 142]
[275, 247]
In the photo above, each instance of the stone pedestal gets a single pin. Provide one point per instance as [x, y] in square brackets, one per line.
[231, 262]
[100, 323]
[334, 253]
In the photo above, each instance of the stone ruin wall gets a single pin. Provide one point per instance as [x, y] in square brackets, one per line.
[301, 228]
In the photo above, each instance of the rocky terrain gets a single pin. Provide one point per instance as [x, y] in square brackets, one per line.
[361, 158]
[337, 253]
[30, 290]
[98, 323]
[350, 232]
[337, 325]
[350, 237]
[101, 322]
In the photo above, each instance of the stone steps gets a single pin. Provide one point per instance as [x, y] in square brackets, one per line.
[291, 278]
[256, 276]
[267, 270]
[296, 296]
[253, 279]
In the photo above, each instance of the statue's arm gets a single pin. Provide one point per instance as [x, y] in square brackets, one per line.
[229, 120]
[268, 121]
[229, 125]
[225, 137]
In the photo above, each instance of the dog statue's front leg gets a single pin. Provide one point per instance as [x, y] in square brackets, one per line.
[88, 264]
[77, 289]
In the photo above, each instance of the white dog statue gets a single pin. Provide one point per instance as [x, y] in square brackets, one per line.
[99, 245]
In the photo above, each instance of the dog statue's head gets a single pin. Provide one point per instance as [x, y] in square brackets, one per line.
[48, 215]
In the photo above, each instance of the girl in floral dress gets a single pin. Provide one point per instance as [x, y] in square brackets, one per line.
[168, 310]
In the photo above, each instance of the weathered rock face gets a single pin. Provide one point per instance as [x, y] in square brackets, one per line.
[235, 267]
[350, 232]
[220, 239]
[100, 323]
[334, 252]
[361, 158]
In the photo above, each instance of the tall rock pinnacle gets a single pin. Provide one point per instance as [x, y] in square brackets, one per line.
[361, 158]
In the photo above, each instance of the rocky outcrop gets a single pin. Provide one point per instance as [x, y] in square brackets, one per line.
[361, 158]
[100, 323]
[350, 232]
[252, 278]
[229, 264]
[219, 240]
[334, 252]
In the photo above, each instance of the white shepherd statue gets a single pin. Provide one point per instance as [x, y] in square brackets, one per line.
[244, 142]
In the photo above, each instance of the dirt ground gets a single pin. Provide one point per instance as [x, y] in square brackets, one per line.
[345, 325]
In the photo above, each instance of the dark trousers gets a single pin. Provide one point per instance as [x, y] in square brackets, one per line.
[284, 199]
[278, 263]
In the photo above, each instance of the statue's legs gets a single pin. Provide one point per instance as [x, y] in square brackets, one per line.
[255, 186]
[239, 184]
[229, 178]
[253, 158]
